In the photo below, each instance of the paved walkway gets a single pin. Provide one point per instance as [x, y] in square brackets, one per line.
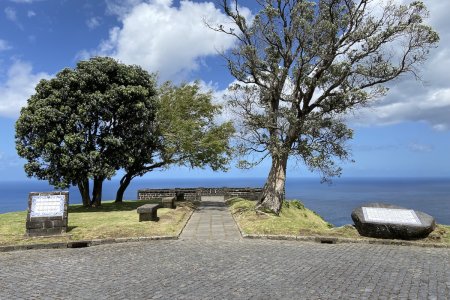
[211, 221]
[249, 269]
[211, 262]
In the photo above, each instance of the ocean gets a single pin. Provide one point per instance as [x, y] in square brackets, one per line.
[334, 202]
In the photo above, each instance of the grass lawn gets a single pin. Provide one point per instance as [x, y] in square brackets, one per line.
[297, 220]
[111, 220]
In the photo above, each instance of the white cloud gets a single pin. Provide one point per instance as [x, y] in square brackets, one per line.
[162, 37]
[218, 98]
[93, 22]
[11, 14]
[26, 1]
[410, 100]
[418, 147]
[121, 8]
[213, 87]
[18, 87]
[31, 14]
[4, 45]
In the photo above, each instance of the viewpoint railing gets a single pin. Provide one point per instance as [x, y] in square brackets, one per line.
[197, 193]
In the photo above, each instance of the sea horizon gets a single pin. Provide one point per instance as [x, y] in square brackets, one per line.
[334, 202]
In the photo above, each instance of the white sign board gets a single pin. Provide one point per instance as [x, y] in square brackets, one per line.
[47, 206]
[391, 216]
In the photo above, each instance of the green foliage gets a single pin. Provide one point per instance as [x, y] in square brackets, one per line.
[189, 133]
[294, 219]
[83, 123]
[302, 221]
[301, 66]
[294, 204]
[102, 116]
[109, 221]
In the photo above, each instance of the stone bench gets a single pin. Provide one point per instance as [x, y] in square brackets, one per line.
[168, 202]
[148, 212]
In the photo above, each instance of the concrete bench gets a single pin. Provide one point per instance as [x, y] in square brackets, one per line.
[148, 212]
[168, 202]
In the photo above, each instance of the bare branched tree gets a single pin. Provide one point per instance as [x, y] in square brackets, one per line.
[302, 64]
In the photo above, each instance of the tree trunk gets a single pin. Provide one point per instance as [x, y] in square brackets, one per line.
[124, 182]
[273, 193]
[83, 186]
[97, 191]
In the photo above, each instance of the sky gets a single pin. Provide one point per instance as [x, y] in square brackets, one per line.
[405, 134]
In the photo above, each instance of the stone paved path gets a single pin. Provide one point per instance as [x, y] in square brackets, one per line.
[211, 221]
[210, 261]
[212, 269]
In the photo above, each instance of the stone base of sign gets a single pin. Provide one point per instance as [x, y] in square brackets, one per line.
[45, 232]
[47, 225]
[421, 226]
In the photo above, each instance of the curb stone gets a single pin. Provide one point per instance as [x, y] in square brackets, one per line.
[338, 240]
[185, 224]
[84, 243]
[317, 239]
[93, 242]
[335, 240]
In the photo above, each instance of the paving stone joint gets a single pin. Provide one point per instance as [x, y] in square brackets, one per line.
[211, 261]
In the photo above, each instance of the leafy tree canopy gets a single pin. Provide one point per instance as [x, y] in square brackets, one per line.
[188, 134]
[77, 124]
[302, 64]
[88, 122]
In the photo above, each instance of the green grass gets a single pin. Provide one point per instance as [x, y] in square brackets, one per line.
[111, 220]
[296, 219]
[293, 219]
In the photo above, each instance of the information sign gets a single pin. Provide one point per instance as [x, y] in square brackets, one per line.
[47, 206]
[390, 215]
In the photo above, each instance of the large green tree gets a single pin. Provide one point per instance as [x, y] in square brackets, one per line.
[188, 135]
[78, 125]
[88, 122]
[302, 64]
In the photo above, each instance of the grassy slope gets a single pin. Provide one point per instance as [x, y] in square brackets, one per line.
[111, 220]
[295, 219]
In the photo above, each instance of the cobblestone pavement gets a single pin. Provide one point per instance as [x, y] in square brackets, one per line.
[246, 269]
[211, 221]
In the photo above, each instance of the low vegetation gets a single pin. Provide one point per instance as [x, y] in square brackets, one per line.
[296, 219]
[111, 220]
[120, 220]
[293, 216]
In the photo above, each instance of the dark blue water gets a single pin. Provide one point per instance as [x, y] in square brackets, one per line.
[334, 202]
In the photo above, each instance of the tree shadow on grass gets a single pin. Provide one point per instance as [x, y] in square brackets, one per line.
[112, 206]
[70, 228]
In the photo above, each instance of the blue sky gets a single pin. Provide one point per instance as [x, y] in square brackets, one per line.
[406, 134]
